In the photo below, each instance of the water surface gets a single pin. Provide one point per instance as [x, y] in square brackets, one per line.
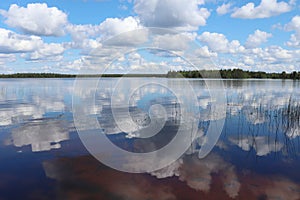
[256, 156]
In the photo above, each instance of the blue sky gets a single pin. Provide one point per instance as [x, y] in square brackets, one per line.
[59, 35]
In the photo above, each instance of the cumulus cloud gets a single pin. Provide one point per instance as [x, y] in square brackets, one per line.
[114, 26]
[123, 32]
[180, 14]
[11, 42]
[174, 42]
[79, 31]
[272, 58]
[36, 19]
[83, 36]
[266, 9]
[218, 42]
[224, 8]
[257, 38]
[6, 58]
[205, 52]
[51, 51]
[294, 25]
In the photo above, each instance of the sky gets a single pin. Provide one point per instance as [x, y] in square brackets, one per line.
[62, 36]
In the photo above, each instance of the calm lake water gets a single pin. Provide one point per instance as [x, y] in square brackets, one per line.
[256, 156]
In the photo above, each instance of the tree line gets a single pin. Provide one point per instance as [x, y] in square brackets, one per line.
[224, 73]
[36, 75]
[54, 75]
[232, 74]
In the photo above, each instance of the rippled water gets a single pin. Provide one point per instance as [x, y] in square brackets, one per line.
[256, 156]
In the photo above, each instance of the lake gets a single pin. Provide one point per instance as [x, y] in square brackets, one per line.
[48, 152]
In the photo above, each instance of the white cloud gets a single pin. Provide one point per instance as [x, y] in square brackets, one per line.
[294, 25]
[123, 32]
[280, 54]
[256, 39]
[48, 51]
[84, 37]
[114, 26]
[11, 42]
[218, 42]
[36, 19]
[80, 32]
[224, 9]
[175, 42]
[267, 8]
[273, 58]
[180, 14]
[205, 52]
[6, 58]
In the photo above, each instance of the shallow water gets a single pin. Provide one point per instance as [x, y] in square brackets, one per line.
[256, 156]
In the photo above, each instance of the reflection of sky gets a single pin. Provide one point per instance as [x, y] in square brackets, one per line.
[198, 173]
[252, 104]
[263, 115]
[255, 103]
[256, 157]
[42, 135]
[34, 110]
[188, 178]
[262, 145]
[31, 99]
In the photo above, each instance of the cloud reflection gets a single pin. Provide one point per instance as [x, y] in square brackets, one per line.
[86, 178]
[197, 173]
[42, 135]
[187, 178]
[269, 187]
[261, 144]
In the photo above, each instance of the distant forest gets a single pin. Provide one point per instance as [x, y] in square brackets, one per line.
[232, 74]
[224, 73]
[54, 75]
[37, 75]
